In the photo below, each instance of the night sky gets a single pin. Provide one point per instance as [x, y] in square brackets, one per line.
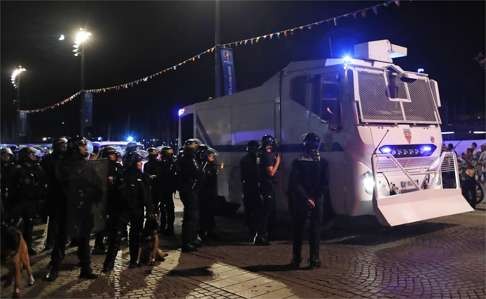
[134, 39]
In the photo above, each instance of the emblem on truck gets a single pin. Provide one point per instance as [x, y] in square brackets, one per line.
[408, 135]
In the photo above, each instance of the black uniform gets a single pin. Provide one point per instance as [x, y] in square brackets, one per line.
[153, 170]
[112, 196]
[207, 197]
[82, 188]
[27, 192]
[168, 185]
[266, 194]
[189, 182]
[54, 194]
[308, 181]
[135, 195]
[251, 197]
[6, 168]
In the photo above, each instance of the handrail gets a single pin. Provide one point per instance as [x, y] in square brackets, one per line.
[394, 160]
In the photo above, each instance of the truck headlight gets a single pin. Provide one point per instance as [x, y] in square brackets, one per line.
[368, 182]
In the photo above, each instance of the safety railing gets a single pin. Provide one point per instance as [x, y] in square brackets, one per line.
[445, 167]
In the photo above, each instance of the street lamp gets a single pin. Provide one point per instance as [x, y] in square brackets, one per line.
[81, 37]
[15, 79]
[15, 76]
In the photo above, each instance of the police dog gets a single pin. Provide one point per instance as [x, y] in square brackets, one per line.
[150, 252]
[16, 256]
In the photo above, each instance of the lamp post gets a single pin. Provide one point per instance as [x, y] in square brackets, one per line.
[80, 39]
[217, 46]
[15, 79]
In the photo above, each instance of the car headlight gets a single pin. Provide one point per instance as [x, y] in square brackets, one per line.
[368, 183]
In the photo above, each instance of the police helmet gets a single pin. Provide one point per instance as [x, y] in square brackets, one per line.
[131, 147]
[268, 140]
[76, 142]
[60, 144]
[25, 152]
[152, 151]
[6, 150]
[166, 151]
[109, 150]
[311, 142]
[133, 159]
[252, 146]
[192, 144]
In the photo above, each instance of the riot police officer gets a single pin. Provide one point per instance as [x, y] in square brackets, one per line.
[27, 189]
[114, 170]
[249, 181]
[130, 150]
[208, 193]
[54, 190]
[152, 170]
[82, 188]
[268, 165]
[135, 196]
[307, 183]
[189, 181]
[168, 183]
[7, 165]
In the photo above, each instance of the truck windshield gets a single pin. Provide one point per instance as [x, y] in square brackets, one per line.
[386, 96]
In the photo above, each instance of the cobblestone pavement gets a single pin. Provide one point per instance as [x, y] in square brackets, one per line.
[442, 258]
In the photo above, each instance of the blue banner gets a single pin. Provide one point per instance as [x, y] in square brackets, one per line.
[229, 79]
[87, 109]
[22, 124]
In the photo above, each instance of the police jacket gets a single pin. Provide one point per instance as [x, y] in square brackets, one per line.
[27, 183]
[209, 181]
[135, 191]
[249, 172]
[54, 189]
[113, 194]
[168, 175]
[153, 170]
[5, 172]
[189, 172]
[308, 179]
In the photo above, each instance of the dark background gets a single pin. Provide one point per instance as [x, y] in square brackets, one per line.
[134, 39]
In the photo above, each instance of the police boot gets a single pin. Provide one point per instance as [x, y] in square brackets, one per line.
[87, 273]
[314, 263]
[188, 248]
[52, 274]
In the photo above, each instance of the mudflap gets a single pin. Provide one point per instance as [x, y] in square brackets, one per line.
[420, 205]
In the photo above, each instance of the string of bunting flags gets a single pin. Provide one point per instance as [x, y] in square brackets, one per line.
[244, 42]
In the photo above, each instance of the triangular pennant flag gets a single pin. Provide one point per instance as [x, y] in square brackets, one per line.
[335, 21]
[375, 10]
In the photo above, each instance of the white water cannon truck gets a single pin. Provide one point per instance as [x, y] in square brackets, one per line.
[379, 126]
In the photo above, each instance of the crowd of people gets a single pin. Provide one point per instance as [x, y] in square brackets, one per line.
[136, 191]
[472, 169]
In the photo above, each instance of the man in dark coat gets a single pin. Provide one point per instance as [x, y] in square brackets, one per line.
[82, 189]
[308, 181]
[55, 194]
[135, 197]
[268, 165]
[189, 171]
[28, 187]
[168, 184]
[249, 181]
[208, 194]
